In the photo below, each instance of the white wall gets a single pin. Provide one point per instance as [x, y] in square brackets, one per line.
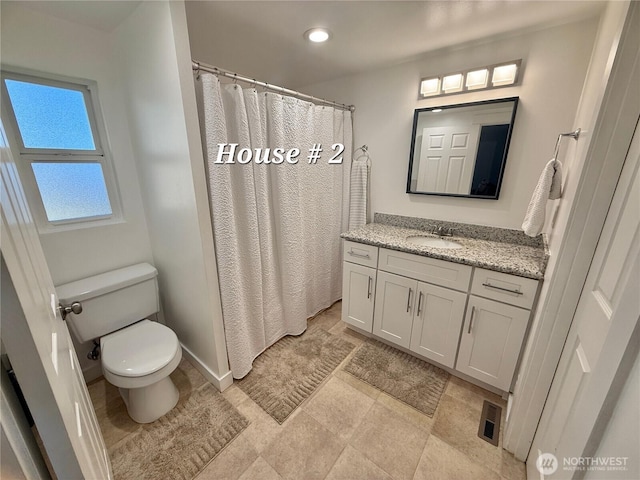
[554, 66]
[153, 46]
[48, 44]
[153, 133]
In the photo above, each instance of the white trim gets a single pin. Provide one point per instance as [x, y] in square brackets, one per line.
[601, 368]
[84, 87]
[612, 133]
[20, 451]
[221, 383]
[27, 330]
[92, 372]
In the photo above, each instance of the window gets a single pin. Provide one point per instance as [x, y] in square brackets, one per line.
[61, 153]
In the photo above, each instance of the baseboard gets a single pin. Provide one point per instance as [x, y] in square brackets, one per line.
[92, 372]
[221, 383]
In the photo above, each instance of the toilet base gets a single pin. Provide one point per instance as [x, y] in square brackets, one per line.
[147, 404]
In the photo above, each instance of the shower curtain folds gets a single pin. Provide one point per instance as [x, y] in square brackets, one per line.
[276, 227]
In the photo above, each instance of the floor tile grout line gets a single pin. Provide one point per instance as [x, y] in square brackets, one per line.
[466, 396]
[372, 460]
[468, 456]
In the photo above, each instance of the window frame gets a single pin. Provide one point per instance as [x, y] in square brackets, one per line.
[27, 156]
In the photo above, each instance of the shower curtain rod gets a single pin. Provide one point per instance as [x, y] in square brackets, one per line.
[197, 66]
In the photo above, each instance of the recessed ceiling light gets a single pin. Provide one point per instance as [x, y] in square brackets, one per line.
[317, 35]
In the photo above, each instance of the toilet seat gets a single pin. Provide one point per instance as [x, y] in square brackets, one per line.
[140, 354]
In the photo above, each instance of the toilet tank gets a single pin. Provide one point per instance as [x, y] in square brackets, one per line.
[111, 301]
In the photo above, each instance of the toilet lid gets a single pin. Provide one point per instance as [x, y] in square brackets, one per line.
[140, 349]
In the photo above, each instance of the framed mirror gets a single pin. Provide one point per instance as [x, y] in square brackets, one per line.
[461, 150]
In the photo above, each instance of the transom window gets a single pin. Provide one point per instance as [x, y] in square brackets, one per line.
[56, 133]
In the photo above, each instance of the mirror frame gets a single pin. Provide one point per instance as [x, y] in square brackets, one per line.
[416, 115]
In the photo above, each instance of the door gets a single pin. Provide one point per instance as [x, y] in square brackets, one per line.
[601, 331]
[393, 315]
[38, 342]
[358, 294]
[491, 341]
[447, 159]
[437, 322]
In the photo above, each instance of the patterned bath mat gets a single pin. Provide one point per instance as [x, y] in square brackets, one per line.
[180, 444]
[403, 376]
[291, 369]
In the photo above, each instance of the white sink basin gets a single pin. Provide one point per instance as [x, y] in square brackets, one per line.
[435, 242]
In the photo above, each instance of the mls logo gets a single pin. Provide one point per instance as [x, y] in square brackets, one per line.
[547, 463]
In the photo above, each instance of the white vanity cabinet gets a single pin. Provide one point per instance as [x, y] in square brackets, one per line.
[419, 316]
[359, 284]
[491, 341]
[426, 269]
[358, 294]
[422, 310]
[436, 324]
[494, 330]
[469, 319]
[393, 317]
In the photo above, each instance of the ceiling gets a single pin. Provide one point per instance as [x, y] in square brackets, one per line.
[264, 39]
[103, 15]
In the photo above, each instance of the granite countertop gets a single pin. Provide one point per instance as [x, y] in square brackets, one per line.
[523, 258]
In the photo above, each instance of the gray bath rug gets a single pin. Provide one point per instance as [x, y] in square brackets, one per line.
[290, 370]
[403, 376]
[180, 444]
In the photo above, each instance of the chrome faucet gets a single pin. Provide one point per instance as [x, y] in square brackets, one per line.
[441, 231]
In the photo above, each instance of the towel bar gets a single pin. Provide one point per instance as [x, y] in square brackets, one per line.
[573, 135]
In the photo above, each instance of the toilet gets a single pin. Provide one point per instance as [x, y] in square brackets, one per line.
[137, 354]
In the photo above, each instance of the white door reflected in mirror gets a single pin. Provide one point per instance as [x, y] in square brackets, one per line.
[461, 150]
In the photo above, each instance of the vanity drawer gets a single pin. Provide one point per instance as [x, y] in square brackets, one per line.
[361, 253]
[426, 269]
[511, 289]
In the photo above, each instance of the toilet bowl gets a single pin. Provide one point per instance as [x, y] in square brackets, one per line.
[139, 359]
[137, 354]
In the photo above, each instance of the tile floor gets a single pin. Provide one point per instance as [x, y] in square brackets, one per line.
[347, 430]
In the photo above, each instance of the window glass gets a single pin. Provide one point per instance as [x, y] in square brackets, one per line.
[57, 135]
[50, 117]
[72, 190]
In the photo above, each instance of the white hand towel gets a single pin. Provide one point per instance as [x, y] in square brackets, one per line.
[549, 187]
[358, 193]
[555, 192]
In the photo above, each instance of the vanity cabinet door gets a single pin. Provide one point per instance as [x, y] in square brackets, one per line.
[393, 317]
[491, 341]
[439, 314]
[358, 294]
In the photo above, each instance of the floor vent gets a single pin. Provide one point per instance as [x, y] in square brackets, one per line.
[490, 423]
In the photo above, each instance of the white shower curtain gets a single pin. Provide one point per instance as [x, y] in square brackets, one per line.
[276, 227]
